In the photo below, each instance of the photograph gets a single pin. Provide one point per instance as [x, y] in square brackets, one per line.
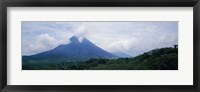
[99, 45]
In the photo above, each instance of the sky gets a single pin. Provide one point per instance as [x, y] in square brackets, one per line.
[132, 38]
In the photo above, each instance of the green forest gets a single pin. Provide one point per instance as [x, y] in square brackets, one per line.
[157, 59]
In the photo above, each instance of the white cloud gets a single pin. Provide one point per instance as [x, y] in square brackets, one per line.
[81, 30]
[42, 43]
[123, 45]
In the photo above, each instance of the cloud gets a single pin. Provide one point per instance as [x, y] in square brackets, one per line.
[133, 38]
[42, 43]
[81, 30]
[123, 45]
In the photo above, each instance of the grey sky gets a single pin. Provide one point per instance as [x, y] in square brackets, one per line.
[132, 38]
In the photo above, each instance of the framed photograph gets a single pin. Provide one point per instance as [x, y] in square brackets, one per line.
[131, 45]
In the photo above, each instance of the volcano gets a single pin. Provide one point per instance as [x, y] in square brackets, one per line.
[78, 49]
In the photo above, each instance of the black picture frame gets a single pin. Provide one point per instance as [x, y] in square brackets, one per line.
[98, 3]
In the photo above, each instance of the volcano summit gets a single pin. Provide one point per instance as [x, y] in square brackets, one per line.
[78, 49]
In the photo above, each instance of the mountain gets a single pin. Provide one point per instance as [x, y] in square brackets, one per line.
[76, 50]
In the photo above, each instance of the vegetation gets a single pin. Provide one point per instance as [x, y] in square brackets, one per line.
[158, 59]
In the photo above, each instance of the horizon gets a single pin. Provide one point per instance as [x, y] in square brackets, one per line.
[48, 35]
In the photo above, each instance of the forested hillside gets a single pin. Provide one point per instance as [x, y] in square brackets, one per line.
[157, 59]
